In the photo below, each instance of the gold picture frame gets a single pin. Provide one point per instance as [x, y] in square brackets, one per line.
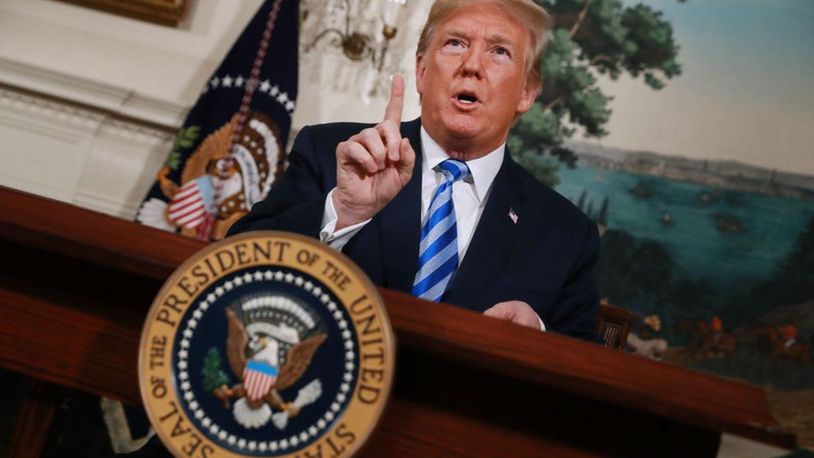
[166, 12]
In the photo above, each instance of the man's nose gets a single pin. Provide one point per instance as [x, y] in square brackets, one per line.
[472, 64]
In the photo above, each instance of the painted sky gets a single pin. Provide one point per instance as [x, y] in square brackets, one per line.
[746, 92]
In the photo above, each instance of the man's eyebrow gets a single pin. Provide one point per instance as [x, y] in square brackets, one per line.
[500, 39]
[456, 33]
[493, 39]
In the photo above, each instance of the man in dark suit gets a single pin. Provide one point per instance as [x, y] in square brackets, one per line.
[436, 206]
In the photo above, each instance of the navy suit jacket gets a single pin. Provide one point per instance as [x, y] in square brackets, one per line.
[545, 259]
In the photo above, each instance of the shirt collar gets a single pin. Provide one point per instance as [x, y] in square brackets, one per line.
[483, 169]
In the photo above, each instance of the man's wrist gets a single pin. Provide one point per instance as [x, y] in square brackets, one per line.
[330, 234]
[346, 216]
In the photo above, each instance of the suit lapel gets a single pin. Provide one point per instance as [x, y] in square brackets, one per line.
[491, 244]
[400, 223]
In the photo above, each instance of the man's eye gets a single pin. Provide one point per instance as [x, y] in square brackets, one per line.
[454, 43]
[501, 51]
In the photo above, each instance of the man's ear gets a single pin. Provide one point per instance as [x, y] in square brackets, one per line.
[531, 90]
[420, 68]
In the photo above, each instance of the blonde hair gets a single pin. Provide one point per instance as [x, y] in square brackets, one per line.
[536, 20]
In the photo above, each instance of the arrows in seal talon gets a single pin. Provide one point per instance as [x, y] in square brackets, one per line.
[307, 395]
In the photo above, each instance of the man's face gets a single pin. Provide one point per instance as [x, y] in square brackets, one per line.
[472, 80]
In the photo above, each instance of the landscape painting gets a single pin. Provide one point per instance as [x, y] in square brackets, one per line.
[685, 129]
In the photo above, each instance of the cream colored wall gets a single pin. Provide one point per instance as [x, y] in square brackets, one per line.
[89, 100]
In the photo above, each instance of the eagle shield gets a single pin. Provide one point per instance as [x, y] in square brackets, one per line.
[259, 378]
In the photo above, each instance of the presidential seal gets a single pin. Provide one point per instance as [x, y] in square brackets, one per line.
[266, 344]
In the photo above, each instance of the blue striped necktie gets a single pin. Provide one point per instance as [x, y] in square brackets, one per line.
[438, 251]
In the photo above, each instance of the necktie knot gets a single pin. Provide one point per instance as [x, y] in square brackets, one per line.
[454, 169]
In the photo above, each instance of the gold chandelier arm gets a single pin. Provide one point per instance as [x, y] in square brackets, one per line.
[321, 35]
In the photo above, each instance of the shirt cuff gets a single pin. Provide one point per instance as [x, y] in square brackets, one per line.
[328, 235]
[542, 325]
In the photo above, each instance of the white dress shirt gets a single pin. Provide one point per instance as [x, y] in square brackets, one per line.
[469, 196]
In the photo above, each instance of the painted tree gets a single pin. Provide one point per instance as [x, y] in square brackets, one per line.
[590, 38]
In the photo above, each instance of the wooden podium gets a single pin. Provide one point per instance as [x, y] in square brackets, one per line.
[75, 287]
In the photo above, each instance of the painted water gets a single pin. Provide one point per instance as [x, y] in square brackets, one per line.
[731, 239]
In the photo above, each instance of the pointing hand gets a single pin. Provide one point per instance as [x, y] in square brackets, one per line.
[373, 165]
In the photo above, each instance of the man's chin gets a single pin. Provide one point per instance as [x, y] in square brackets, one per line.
[463, 127]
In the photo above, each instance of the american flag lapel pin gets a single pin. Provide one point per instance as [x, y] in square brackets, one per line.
[512, 215]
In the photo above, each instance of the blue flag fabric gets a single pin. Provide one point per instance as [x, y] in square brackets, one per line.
[231, 147]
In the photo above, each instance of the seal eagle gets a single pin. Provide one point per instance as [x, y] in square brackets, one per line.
[262, 377]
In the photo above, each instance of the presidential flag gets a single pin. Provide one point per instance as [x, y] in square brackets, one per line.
[231, 147]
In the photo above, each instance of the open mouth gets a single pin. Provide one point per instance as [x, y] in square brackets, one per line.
[467, 98]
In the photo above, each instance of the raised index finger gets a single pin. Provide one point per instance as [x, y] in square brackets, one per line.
[395, 106]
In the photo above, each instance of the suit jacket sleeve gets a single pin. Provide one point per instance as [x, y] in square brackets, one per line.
[578, 302]
[298, 199]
